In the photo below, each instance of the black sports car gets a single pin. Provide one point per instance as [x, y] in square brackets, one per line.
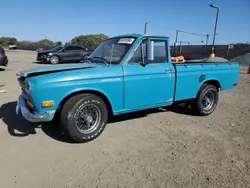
[63, 53]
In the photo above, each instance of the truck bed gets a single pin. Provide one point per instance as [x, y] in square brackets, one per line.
[191, 75]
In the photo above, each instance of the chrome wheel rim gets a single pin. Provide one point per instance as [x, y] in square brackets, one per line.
[54, 59]
[208, 100]
[88, 118]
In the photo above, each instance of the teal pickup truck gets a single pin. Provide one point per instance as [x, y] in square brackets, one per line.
[124, 74]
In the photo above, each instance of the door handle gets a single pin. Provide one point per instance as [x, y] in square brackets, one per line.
[169, 71]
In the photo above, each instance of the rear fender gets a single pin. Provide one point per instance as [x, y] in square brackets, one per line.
[213, 82]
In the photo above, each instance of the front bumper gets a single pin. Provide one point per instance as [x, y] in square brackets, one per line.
[33, 117]
[48, 58]
[41, 58]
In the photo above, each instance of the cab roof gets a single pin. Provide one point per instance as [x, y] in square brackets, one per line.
[141, 35]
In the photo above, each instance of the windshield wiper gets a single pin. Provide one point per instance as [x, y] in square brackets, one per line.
[103, 59]
[88, 60]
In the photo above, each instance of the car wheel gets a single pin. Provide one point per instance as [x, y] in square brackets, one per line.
[54, 59]
[207, 99]
[84, 117]
[6, 63]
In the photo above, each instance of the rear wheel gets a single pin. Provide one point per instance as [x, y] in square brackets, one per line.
[84, 117]
[207, 99]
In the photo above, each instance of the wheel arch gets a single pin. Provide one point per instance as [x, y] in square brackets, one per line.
[90, 91]
[213, 82]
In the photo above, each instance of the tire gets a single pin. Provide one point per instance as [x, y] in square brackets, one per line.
[54, 59]
[6, 63]
[207, 100]
[74, 123]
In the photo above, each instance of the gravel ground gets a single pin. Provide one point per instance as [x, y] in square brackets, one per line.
[243, 60]
[156, 148]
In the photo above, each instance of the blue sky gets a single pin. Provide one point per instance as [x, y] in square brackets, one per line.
[64, 19]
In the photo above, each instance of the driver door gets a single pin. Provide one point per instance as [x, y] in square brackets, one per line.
[151, 84]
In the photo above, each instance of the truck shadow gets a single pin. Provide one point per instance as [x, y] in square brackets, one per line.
[17, 126]
[183, 109]
[179, 109]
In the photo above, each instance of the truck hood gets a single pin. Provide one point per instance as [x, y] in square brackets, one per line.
[51, 69]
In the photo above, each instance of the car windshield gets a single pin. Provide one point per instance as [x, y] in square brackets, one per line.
[112, 50]
[57, 48]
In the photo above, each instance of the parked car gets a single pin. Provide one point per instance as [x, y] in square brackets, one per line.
[3, 58]
[12, 47]
[63, 53]
[123, 74]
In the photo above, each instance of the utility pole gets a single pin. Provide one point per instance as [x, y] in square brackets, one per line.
[215, 27]
[176, 40]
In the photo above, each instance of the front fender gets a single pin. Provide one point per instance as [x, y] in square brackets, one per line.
[98, 92]
[58, 86]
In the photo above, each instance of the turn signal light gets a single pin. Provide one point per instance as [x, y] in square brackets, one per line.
[47, 104]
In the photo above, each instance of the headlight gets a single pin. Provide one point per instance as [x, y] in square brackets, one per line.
[50, 54]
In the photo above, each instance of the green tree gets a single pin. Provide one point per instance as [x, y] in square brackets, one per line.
[89, 40]
[58, 43]
[44, 43]
[6, 41]
[34, 45]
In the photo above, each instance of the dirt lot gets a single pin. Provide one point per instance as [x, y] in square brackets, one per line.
[156, 148]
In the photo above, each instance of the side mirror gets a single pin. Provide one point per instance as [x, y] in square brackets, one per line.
[150, 50]
[85, 57]
[62, 50]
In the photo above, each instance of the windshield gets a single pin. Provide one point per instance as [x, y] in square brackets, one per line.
[57, 48]
[112, 50]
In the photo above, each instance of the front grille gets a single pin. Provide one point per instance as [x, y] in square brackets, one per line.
[21, 81]
[41, 56]
[24, 87]
[25, 92]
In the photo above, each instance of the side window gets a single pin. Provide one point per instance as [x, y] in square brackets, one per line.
[137, 56]
[160, 51]
[69, 48]
[73, 48]
[77, 48]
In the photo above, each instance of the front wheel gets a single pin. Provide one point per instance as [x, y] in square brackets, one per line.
[207, 99]
[84, 117]
[54, 59]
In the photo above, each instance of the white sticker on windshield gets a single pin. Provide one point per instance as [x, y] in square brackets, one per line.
[126, 41]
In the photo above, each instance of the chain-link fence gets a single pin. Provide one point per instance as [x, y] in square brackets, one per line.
[199, 51]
